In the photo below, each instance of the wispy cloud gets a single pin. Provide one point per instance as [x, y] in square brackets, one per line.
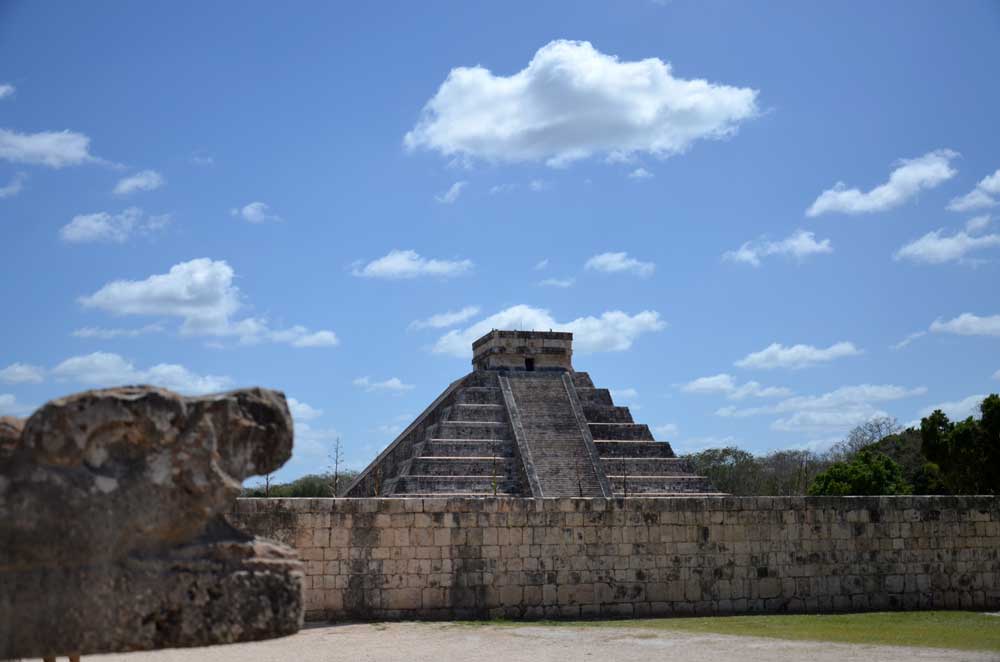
[908, 339]
[777, 355]
[147, 180]
[620, 263]
[22, 373]
[444, 320]
[14, 186]
[640, 174]
[392, 385]
[399, 264]
[908, 178]
[982, 197]
[799, 245]
[938, 248]
[256, 212]
[726, 384]
[968, 324]
[112, 228]
[451, 195]
[557, 282]
[6, 90]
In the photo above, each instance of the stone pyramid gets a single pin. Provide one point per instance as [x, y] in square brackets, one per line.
[524, 423]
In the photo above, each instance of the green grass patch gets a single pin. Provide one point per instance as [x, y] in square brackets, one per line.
[963, 630]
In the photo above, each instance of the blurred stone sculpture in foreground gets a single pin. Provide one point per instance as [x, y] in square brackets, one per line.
[112, 536]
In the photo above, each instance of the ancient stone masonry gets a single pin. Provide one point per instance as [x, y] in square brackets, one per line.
[112, 528]
[524, 423]
[480, 557]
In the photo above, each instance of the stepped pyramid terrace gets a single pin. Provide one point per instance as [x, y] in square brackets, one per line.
[525, 423]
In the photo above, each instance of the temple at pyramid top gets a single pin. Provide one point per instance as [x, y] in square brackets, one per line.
[525, 423]
[523, 350]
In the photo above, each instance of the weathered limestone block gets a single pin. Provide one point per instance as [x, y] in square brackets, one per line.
[112, 535]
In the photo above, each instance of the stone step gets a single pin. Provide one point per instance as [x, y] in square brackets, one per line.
[468, 448]
[659, 484]
[594, 396]
[620, 432]
[646, 466]
[467, 412]
[636, 449]
[481, 378]
[582, 380]
[606, 414]
[480, 395]
[436, 465]
[471, 430]
[438, 485]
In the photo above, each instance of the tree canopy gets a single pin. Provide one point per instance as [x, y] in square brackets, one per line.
[867, 473]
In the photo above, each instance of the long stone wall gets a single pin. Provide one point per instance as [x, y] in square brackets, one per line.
[532, 558]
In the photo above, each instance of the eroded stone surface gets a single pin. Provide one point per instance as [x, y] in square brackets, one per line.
[112, 535]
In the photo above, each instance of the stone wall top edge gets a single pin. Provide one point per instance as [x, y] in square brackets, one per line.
[591, 504]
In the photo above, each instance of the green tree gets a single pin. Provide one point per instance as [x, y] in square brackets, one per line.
[967, 453]
[730, 470]
[868, 473]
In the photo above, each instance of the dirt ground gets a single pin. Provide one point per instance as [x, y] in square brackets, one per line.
[442, 642]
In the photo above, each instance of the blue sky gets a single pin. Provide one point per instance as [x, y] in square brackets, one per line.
[765, 223]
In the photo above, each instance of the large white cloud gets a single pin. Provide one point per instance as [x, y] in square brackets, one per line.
[572, 101]
[907, 180]
[116, 228]
[799, 245]
[108, 369]
[55, 149]
[983, 196]
[399, 264]
[968, 324]
[613, 331]
[201, 293]
[612, 263]
[726, 384]
[777, 355]
[147, 180]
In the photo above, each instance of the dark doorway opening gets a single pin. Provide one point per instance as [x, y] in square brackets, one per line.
[529, 365]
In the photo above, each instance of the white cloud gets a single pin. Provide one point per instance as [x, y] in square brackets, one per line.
[539, 185]
[572, 101]
[6, 90]
[908, 339]
[937, 248]
[968, 324]
[799, 245]
[557, 282]
[399, 264]
[107, 369]
[444, 320]
[302, 411]
[611, 332]
[908, 178]
[618, 263]
[542, 264]
[695, 444]
[640, 173]
[777, 355]
[393, 384]
[996, 375]
[977, 224]
[15, 186]
[256, 212]
[451, 195]
[201, 293]
[981, 197]
[957, 410]
[502, 188]
[117, 228]
[22, 373]
[109, 334]
[147, 180]
[725, 384]
[840, 409]
[55, 149]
